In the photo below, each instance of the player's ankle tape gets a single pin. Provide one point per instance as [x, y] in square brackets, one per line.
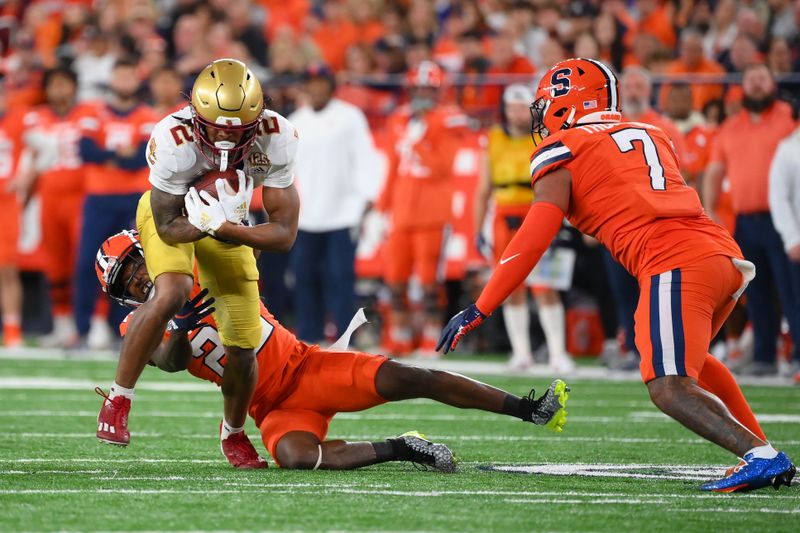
[518, 407]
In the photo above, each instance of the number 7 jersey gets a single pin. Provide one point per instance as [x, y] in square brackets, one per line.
[627, 192]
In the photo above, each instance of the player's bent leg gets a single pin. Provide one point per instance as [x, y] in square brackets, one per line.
[717, 379]
[395, 381]
[144, 333]
[681, 398]
[304, 451]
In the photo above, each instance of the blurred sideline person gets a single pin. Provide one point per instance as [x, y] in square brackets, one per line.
[10, 213]
[745, 159]
[52, 133]
[507, 182]
[224, 125]
[338, 179]
[784, 203]
[619, 182]
[301, 387]
[166, 87]
[112, 148]
[417, 197]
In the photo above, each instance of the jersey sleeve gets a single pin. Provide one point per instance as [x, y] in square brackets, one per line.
[281, 153]
[550, 157]
[166, 158]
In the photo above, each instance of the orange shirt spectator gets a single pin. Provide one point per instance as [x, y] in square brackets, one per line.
[745, 147]
[656, 20]
[692, 61]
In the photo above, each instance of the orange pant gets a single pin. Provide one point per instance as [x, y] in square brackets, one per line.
[679, 313]
[9, 227]
[328, 383]
[415, 249]
[61, 223]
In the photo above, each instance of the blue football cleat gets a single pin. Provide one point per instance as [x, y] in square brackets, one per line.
[754, 473]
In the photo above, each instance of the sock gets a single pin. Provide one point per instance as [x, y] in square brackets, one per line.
[517, 319]
[119, 390]
[718, 380]
[518, 407]
[552, 319]
[12, 330]
[764, 452]
[391, 450]
[228, 430]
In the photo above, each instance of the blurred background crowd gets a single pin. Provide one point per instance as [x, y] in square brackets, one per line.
[83, 81]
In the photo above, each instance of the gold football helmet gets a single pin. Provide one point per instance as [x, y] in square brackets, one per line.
[226, 96]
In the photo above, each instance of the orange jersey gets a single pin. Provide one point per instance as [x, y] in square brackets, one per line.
[419, 188]
[697, 143]
[279, 356]
[658, 120]
[10, 145]
[55, 139]
[110, 131]
[627, 192]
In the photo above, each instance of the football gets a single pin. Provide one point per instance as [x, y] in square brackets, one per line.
[207, 182]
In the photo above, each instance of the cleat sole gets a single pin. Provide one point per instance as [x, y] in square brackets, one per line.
[785, 478]
[113, 442]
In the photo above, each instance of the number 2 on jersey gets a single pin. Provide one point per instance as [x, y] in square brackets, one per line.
[625, 139]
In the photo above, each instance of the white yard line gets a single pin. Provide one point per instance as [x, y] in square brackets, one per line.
[42, 383]
[466, 367]
[633, 418]
[436, 437]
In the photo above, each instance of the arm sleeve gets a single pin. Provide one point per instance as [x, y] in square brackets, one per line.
[781, 199]
[91, 152]
[281, 172]
[520, 256]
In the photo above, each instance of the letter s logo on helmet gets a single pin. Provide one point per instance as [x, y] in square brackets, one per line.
[575, 92]
[226, 95]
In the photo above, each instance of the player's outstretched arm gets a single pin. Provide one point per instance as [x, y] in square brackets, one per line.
[279, 232]
[171, 224]
[520, 256]
[174, 353]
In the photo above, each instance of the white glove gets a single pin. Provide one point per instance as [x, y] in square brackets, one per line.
[236, 205]
[208, 215]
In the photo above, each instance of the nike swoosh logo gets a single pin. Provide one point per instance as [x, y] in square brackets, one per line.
[507, 259]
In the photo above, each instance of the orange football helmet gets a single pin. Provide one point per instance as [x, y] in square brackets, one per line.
[115, 252]
[575, 92]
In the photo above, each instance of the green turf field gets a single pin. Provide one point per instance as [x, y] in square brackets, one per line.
[632, 469]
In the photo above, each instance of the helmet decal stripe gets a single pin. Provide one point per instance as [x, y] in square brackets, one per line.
[613, 99]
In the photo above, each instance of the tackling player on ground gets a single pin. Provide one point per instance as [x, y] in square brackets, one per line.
[619, 182]
[300, 387]
[225, 125]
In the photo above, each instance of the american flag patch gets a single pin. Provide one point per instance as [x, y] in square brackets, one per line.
[590, 104]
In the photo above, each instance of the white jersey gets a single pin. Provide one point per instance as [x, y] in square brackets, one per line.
[175, 160]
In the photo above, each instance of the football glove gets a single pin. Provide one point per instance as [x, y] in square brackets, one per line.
[461, 324]
[190, 316]
[236, 205]
[208, 215]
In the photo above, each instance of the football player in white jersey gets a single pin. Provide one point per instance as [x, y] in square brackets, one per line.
[225, 125]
